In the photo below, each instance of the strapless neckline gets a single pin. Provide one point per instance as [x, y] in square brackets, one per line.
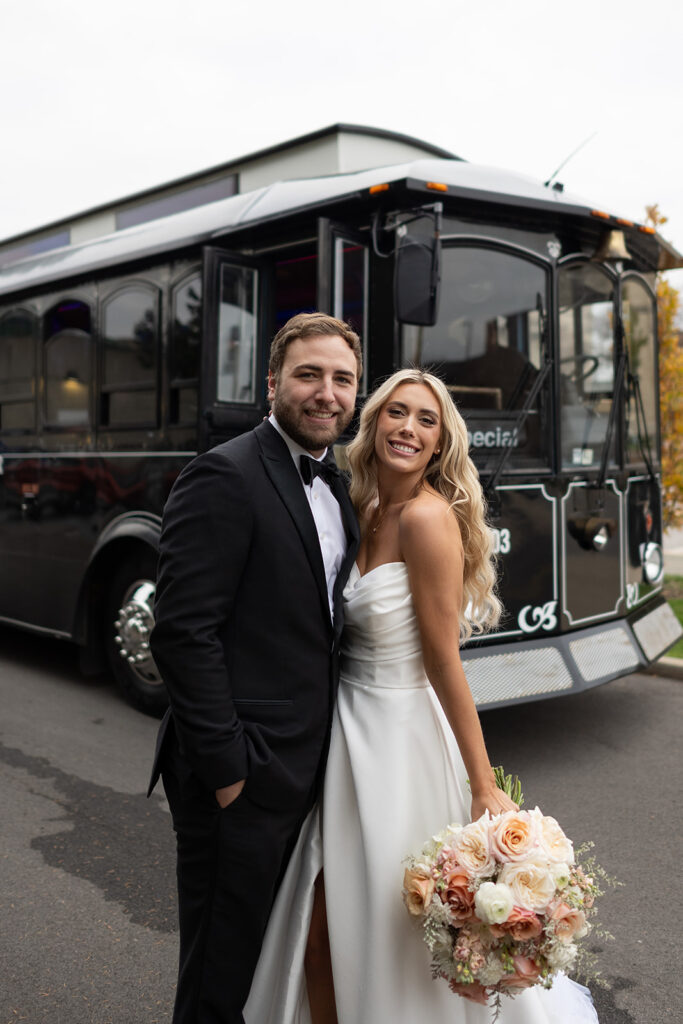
[384, 565]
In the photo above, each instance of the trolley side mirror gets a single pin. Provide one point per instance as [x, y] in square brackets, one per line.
[416, 278]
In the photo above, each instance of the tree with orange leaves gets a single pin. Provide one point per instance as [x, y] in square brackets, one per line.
[671, 392]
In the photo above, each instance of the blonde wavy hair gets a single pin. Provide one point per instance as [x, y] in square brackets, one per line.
[453, 475]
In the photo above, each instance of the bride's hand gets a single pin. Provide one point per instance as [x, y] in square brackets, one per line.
[495, 801]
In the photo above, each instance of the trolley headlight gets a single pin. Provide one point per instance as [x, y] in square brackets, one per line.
[600, 538]
[652, 561]
[592, 532]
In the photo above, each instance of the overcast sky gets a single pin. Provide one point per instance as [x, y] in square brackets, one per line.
[101, 99]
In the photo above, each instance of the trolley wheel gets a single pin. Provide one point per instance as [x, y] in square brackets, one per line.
[128, 624]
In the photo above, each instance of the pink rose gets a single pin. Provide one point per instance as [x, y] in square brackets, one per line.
[458, 895]
[523, 924]
[474, 992]
[418, 889]
[568, 922]
[526, 973]
[512, 836]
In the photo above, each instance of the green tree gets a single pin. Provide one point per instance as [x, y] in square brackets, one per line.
[671, 391]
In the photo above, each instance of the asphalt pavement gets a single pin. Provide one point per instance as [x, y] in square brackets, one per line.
[87, 898]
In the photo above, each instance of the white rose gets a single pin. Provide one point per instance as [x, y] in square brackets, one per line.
[562, 957]
[560, 873]
[493, 902]
[532, 883]
[472, 848]
[551, 839]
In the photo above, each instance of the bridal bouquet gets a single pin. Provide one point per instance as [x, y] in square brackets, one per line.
[502, 901]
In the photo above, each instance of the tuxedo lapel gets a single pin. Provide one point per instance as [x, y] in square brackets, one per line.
[353, 533]
[341, 493]
[283, 475]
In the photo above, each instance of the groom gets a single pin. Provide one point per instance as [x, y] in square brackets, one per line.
[257, 543]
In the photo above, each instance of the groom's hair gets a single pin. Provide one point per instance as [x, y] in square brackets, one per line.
[309, 325]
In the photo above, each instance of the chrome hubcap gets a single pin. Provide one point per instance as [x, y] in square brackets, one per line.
[133, 626]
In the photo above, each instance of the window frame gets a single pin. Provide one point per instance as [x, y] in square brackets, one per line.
[176, 384]
[120, 286]
[617, 461]
[214, 260]
[52, 301]
[655, 442]
[32, 396]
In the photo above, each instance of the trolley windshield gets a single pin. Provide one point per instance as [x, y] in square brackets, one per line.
[488, 347]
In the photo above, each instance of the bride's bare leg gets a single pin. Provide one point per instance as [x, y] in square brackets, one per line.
[318, 962]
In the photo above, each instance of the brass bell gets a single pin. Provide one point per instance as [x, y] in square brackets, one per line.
[612, 248]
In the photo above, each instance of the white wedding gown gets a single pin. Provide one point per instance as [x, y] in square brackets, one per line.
[394, 777]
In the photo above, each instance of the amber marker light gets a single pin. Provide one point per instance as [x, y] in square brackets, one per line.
[626, 223]
[646, 230]
[437, 186]
[378, 188]
[600, 213]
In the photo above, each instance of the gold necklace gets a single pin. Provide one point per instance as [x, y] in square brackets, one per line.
[380, 518]
[381, 514]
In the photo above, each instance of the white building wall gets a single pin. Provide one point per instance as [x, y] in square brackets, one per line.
[308, 161]
[360, 152]
[93, 227]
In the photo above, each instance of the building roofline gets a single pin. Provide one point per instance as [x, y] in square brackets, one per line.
[259, 154]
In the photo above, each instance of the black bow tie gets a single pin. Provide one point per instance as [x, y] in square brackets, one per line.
[311, 468]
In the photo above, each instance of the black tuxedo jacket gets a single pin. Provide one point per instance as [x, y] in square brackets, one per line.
[243, 638]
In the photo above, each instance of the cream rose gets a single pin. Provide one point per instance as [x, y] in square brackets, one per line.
[418, 889]
[493, 902]
[551, 839]
[531, 882]
[472, 848]
[512, 836]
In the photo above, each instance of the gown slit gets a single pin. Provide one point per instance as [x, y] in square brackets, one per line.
[394, 777]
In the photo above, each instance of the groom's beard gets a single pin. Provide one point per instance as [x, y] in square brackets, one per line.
[311, 437]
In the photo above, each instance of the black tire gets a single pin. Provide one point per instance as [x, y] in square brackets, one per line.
[128, 622]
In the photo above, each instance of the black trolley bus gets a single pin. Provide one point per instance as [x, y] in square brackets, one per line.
[122, 357]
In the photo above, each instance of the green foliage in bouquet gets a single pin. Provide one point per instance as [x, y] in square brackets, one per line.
[509, 784]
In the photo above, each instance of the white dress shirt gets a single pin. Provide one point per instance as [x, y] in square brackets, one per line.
[326, 513]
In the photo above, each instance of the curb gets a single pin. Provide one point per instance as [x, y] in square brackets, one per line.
[672, 668]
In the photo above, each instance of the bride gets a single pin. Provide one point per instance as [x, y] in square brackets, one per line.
[407, 755]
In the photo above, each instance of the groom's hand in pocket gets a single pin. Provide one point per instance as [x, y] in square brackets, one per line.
[227, 794]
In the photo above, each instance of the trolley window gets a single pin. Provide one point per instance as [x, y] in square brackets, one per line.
[586, 298]
[184, 349]
[17, 370]
[487, 347]
[129, 360]
[68, 365]
[237, 334]
[640, 327]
